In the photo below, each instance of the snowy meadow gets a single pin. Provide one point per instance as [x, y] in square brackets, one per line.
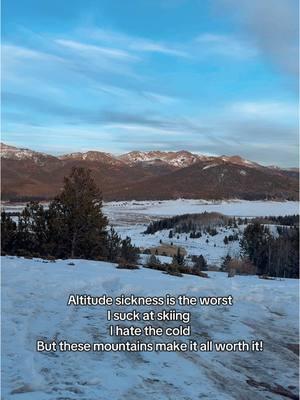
[132, 218]
[34, 306]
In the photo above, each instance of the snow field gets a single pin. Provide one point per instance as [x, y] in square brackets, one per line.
[34, 298]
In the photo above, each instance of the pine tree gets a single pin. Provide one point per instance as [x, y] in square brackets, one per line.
[254, 245]
[38, 228]
[199, 263]
[129, 253]
[25, 237]
[178, 258]
[77, 223]
[153, 262]
[8, 234]
[113, 245]
[225, 263]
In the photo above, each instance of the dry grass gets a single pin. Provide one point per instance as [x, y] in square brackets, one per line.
[241, 267]
[167, 250]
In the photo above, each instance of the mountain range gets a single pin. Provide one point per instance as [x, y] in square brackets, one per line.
[138, 175]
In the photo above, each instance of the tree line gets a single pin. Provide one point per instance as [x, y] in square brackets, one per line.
[272, 255]
[73, 226]
[192, 223]
[206, 222]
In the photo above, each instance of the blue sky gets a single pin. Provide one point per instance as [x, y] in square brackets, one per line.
[212, 77]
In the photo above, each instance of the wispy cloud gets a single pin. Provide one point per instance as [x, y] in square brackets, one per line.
[138, 44]
[208, 43]
[116, 91]
[265, 110]
[11, 52]
[160, 98]
[92, 50]
[273, 26]
[225, 45]
[152, 47]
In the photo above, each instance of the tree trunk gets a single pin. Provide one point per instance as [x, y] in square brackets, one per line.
[73, 245]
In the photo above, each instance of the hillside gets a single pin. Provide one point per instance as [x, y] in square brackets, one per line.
[28, 174]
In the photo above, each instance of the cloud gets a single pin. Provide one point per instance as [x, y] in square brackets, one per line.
[63, 66]
[225, 45]
[147, 46]
[269, 110]
[219, 44]
[135, 43]
[157, 124]
[272, 25]
[95, 51]
[69, 114]
[102, 85]
[159, 98]
[259, 139]
[42, 108]
[18, 58]
[10, 51]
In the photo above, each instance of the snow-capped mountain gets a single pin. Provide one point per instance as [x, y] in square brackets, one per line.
[239, 161]
[97, 156]
[153, 175]
[15, 153]
[178, 159]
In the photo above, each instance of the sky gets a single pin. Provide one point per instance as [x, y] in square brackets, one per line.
[216, 77]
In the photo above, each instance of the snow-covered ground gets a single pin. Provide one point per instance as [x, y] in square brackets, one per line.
[213, 251]
[145, 211]
[34, 297]
[131, 219]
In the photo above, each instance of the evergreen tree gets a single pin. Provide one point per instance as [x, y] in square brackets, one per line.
[225, 263]
[113, 245]
[129, 253]
[254, 244]
[199, 263]
[25, 237]
[153, 262]
[77, 224]
[8, 234]
[38, 227]
[178, 258]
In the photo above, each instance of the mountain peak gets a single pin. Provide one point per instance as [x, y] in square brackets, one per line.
[144, 175]
[98, 156]
[16, 153]
[180, 158]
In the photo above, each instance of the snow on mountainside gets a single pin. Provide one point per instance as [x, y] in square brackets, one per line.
[240, 161]
[35, 293]
[93, 156]
[176, 159]
[153, 175]
[15, 153]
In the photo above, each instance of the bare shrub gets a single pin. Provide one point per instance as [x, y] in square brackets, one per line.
[124, 264]
[241, 267]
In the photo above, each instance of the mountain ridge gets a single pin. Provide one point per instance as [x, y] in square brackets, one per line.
[146, 175]
[132, 157]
